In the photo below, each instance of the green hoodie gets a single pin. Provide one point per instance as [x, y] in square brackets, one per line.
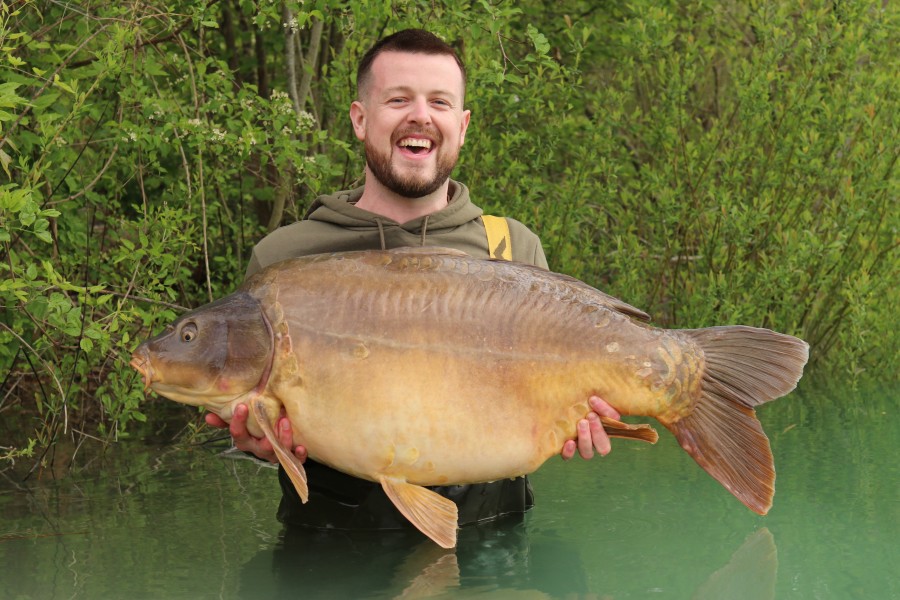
[335, 224]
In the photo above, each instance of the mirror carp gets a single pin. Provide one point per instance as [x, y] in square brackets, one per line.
[425, 366]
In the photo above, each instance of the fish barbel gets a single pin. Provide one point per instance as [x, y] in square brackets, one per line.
[418, 367]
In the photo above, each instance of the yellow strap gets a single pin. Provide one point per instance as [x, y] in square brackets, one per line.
[497, 230]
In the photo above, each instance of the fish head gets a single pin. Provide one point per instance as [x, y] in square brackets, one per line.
[210, 357]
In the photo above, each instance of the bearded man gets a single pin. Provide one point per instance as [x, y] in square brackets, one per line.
[410, 117]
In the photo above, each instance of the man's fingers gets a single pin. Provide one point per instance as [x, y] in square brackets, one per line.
[244, 441]
[238, 425]
[285, 436]
[599, 439]
[600, 406]
[568, 450]
[214, 420]
[585, 441]
[590, 433]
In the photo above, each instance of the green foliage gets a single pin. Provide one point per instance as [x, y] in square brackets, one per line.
[755, 152]
[708, 162]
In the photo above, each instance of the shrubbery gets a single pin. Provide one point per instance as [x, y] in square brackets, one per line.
[709, 162]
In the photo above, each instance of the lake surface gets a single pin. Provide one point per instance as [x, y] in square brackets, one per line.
[644, 522]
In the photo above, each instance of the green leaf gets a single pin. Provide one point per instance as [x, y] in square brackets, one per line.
[541, 45]
[37, 307]
[62, 84]
[45, 100]
[5, 159]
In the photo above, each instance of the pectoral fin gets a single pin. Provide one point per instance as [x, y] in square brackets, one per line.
[431, 513]
[292, 466]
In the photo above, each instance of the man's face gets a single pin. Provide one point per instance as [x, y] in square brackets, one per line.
[411, 120]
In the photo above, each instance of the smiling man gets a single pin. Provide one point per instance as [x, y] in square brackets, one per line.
[409, 115]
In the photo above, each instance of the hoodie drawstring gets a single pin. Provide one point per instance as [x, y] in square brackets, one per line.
[384, 242]
[381, 233]
[424, 229]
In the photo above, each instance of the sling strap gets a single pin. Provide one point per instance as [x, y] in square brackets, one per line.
[497, 230]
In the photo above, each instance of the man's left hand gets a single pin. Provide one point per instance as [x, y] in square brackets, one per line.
[591, 434]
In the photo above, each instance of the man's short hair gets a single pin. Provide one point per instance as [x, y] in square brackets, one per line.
[408, 40]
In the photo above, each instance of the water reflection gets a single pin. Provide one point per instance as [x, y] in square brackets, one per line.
[494, 559]
[404, 564]
[749, 575]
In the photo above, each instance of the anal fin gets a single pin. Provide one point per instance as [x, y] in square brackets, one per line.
[292, 465]
[618, 429]
[431, 513]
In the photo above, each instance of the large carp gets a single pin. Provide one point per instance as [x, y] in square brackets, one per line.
[417, 367]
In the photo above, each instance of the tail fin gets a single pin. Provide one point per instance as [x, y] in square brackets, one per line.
[744, 367]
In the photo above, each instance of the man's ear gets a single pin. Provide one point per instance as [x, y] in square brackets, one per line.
[358, 119]
[464, 125]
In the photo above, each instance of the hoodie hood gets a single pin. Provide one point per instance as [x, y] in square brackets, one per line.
[340, 209]
[335, 224]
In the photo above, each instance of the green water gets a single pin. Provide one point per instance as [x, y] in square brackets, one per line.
[644, 522]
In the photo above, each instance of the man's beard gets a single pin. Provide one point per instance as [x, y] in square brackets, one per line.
[414, 186]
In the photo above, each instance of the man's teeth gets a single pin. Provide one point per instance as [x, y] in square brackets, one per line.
[416, 143]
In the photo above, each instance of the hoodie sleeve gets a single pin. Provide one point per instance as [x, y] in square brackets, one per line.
[526, 245]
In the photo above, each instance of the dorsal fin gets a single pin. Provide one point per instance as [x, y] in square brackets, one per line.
[596, 296]
[427, 250]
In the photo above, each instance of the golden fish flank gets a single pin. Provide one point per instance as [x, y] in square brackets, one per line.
[448, 350]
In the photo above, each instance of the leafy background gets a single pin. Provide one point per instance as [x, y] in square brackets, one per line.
[710, 162]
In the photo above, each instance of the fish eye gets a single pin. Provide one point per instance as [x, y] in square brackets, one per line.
[188, 332]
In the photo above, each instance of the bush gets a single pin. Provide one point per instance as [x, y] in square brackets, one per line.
[710, 163]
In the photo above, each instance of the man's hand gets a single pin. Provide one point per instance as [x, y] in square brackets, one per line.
[259, 447]
[591, 434]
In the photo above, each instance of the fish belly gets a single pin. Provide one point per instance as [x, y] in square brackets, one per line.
[435, 418]
[449, 370]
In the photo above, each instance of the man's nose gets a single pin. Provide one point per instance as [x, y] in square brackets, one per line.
[420, 112]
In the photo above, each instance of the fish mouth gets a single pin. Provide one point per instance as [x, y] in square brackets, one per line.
[140, 362]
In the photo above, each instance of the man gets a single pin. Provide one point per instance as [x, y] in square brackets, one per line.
[409, 115]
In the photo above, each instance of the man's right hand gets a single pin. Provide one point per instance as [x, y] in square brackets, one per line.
[259, 447]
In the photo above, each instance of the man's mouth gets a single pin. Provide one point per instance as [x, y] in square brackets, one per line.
[417, 146]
